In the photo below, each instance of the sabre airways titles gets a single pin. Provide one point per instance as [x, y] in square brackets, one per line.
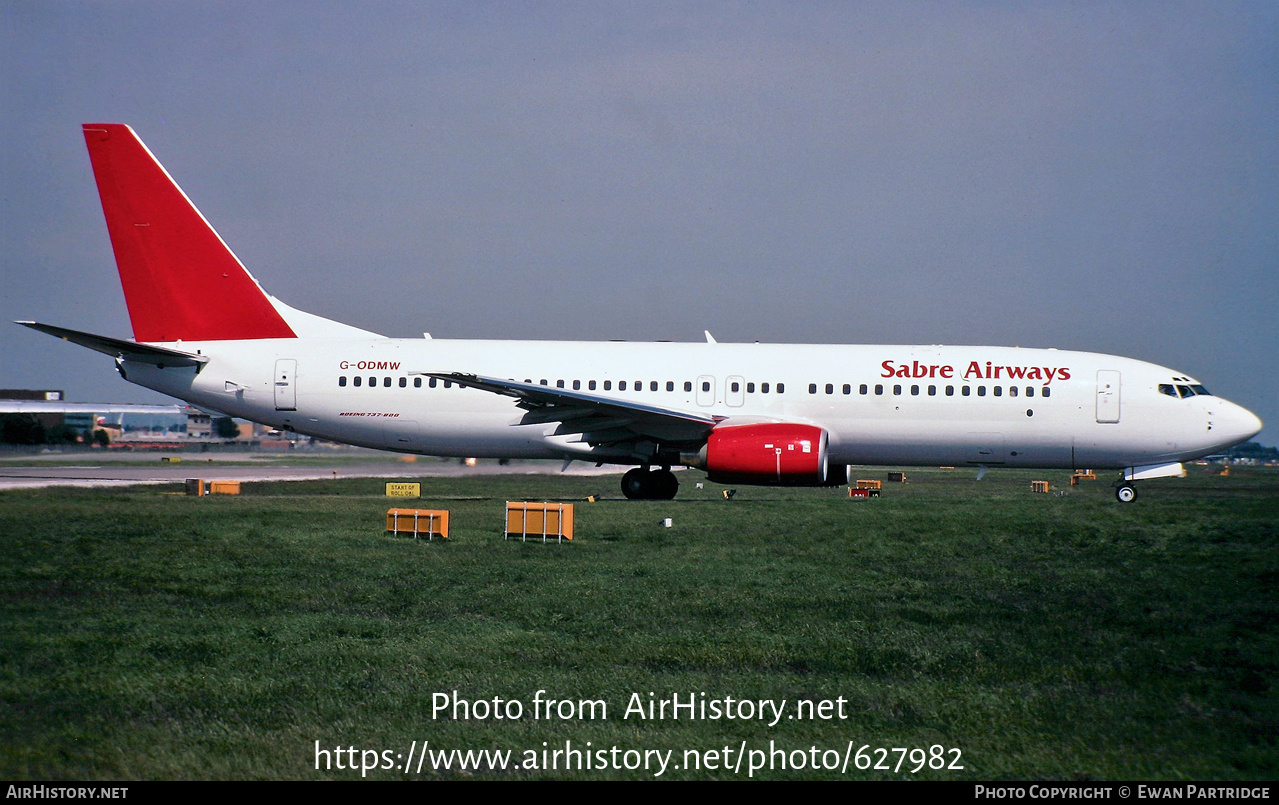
[975, 371]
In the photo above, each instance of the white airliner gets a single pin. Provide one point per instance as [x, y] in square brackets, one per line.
[775, 414]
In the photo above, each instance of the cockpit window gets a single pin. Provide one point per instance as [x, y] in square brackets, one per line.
[1183, 390]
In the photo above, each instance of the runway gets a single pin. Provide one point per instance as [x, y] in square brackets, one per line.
[29, 472]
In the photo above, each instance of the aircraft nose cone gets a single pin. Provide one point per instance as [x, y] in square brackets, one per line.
[1239, 424]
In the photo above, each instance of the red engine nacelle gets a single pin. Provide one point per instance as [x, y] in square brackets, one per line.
[773, 454]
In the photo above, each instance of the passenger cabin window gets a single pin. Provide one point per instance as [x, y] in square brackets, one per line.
[342, 380]
[750, 388]
[591, 385]
[652, 385]
[863, 388]
[781, 388]
[431, 382]
[356, 380]
[897, 390]
[417, 382]
[706, 386]
[879, 388]
[577, 385]
[1047, 392]
[932, 391]
[688, 385]
[608, 385]
[914, 390]
[999, 391]
[670, 385]
[812, 388]
[404, 382]
[621, 385]
[968, 391]
[981, 391]
[763, 388]
[950, 391]
[848, 389]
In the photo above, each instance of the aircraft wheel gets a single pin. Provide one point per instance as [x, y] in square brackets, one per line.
[665, 485]
[642, 484]
[635, 484]
[1126, 493]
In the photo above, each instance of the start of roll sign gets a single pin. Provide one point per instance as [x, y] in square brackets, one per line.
[403, 490]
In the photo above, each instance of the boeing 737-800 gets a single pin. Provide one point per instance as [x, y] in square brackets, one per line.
[778, 414]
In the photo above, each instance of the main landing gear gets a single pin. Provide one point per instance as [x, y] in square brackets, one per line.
[644, 484]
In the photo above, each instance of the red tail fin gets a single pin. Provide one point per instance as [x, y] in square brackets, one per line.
[180, 280]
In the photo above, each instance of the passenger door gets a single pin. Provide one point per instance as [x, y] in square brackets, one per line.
[1107, 396]
[286, 370]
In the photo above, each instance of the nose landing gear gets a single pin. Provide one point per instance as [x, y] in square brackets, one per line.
[1125, 492]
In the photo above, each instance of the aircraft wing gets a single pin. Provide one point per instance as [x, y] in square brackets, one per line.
[119, 348]
[600, 420]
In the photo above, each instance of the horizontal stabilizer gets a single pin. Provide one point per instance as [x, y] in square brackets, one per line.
[53, 407]
[119, 348]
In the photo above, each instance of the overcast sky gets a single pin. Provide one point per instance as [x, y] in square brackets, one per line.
[1096, 176]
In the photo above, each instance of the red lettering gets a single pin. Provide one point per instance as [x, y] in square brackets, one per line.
[915, 369]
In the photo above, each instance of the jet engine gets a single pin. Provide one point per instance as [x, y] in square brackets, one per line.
[770, 454]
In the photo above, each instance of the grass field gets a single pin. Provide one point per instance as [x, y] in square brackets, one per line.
[147, 635]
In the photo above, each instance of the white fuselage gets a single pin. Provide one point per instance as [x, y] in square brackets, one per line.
[888, 405]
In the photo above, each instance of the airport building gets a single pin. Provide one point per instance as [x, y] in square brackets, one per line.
[122, 422]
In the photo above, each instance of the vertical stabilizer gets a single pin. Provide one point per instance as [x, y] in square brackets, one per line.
[180, 280]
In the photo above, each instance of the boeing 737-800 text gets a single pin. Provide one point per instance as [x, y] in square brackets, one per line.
[785, 414]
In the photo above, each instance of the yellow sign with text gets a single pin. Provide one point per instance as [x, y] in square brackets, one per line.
[403, 490]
